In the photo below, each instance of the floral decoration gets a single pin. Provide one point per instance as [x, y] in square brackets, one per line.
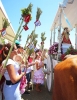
[53, 49]
[26, 16]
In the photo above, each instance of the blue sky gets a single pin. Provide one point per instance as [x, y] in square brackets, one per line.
[48, 7]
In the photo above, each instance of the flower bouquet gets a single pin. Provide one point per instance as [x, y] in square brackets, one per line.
[23, 84]
[53, 49]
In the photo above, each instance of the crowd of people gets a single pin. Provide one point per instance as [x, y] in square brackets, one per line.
[20, 71]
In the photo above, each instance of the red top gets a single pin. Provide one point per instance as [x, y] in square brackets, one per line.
[30, 59]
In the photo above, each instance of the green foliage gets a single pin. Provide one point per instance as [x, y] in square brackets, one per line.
[32, 33]
[71, 50]
[1, 40]
[27, 40]
[28, 37]
[30, 51]
[31, 39]
[35, 42]
[43, 38]
[33, 36]
[27, 10]
[5, 23]
[38, 13]
[30, 7]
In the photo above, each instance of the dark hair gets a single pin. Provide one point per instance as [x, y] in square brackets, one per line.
[1, 46]
[65, 28]
[37, 50]
[6, 50]
[18, 46]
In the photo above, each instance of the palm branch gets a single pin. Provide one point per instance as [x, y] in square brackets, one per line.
[38, 13]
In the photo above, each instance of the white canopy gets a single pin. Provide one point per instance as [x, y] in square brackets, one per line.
[71, 13]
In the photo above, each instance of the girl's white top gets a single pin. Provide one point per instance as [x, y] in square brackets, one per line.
[16, 67]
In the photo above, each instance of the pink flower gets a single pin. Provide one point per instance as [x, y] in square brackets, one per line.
[22, 91]
[23, 84]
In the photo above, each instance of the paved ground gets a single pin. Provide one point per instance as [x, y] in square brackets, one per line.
[44, 95]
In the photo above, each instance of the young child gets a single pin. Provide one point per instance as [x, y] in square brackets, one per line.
[38, 77]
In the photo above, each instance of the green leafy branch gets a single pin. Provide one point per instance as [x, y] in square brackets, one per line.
[38, 13]
[27, 10]
[34, 37]
[5, 23]
[43, 38]
[35, 42]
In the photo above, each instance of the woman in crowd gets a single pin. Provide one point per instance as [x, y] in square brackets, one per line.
[12, 78]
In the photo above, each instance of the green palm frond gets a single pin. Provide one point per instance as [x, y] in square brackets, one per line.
[27, 10]
[43, 38]
[5, 23]
[33, 36]
[30, 7]
[35, 42]
[38, 13]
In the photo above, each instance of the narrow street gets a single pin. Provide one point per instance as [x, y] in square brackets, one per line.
[43, 95]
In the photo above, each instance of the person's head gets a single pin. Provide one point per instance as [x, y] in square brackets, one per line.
[66, 30]
[18, 58]
[37, 56]
[37, 50]
[5, 51]
[13, 53]
[20, 49]
[45, 50]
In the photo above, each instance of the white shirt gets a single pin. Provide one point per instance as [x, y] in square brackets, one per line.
[29, 69]
[16, 66]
